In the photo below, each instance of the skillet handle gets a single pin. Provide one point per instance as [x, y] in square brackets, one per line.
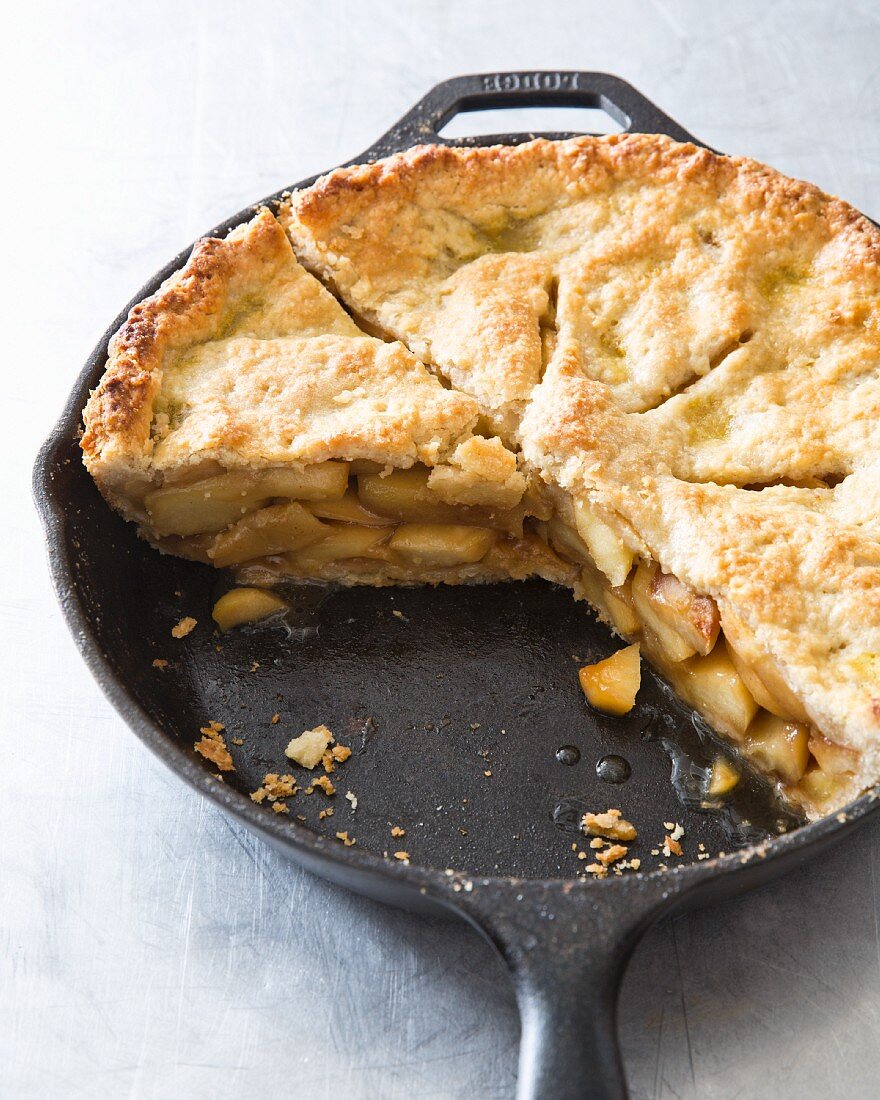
[567, 945]
[537, 88]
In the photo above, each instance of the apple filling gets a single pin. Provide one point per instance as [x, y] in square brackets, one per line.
[711, 660]
[357, 521]
[345, 520]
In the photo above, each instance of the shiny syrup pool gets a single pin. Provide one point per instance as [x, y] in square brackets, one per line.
[568, 754]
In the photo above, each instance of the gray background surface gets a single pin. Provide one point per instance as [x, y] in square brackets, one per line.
[148, 947]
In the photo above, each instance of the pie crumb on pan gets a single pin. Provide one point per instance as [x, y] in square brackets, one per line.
[633, 367]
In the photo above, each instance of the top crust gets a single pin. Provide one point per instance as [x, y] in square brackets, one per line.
[244, 358]
[658, 259]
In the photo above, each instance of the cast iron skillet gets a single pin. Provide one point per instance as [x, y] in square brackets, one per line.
[454, 708]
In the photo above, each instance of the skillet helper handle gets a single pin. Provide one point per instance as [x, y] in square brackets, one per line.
[536, 88]
[566, 944]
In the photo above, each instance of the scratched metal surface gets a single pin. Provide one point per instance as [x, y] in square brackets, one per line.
[149, 948]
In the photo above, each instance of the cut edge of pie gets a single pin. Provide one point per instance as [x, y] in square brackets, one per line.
[245, 420]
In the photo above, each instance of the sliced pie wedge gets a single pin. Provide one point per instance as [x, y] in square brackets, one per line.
[245, 420]
[632, 367]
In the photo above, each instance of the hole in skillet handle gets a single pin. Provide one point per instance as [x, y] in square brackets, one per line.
[531, 120]
[424, 123]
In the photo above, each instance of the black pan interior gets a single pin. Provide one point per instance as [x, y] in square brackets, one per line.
[453, 700]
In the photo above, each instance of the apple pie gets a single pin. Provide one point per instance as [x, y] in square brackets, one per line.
[633, 367]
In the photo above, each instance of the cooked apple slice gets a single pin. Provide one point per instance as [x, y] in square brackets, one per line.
[670, 645]
[246, 605]
[341, 543]
[620, 612]
[272, 530]
[778, 746]
[723, 779]
[759, 671]
[568, 542]
[405, 495]
[196, 471]
[213, 503]
[753, 681]
[716, 689]
[347, 509]
[821, 789]
[205, 506]
[832, 758]
[612, 685]
[694, 618]
[440, 545]
[615, 604]
[365, 466]
[323, 481]
[606, 547]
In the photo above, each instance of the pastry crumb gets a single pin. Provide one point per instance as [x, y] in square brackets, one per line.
[280, 807]
[186, 626]
[213, 746]
[308, 749]
[611, 854]
[352, 798]
[237, 740]
[347, 840]
[671, 846]
[275, 719]
[322, 783]
[340, 753]
[609, 824]
[160, 663]
[397, 831]
[326, 812]
[275, 787]
[402, 856]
